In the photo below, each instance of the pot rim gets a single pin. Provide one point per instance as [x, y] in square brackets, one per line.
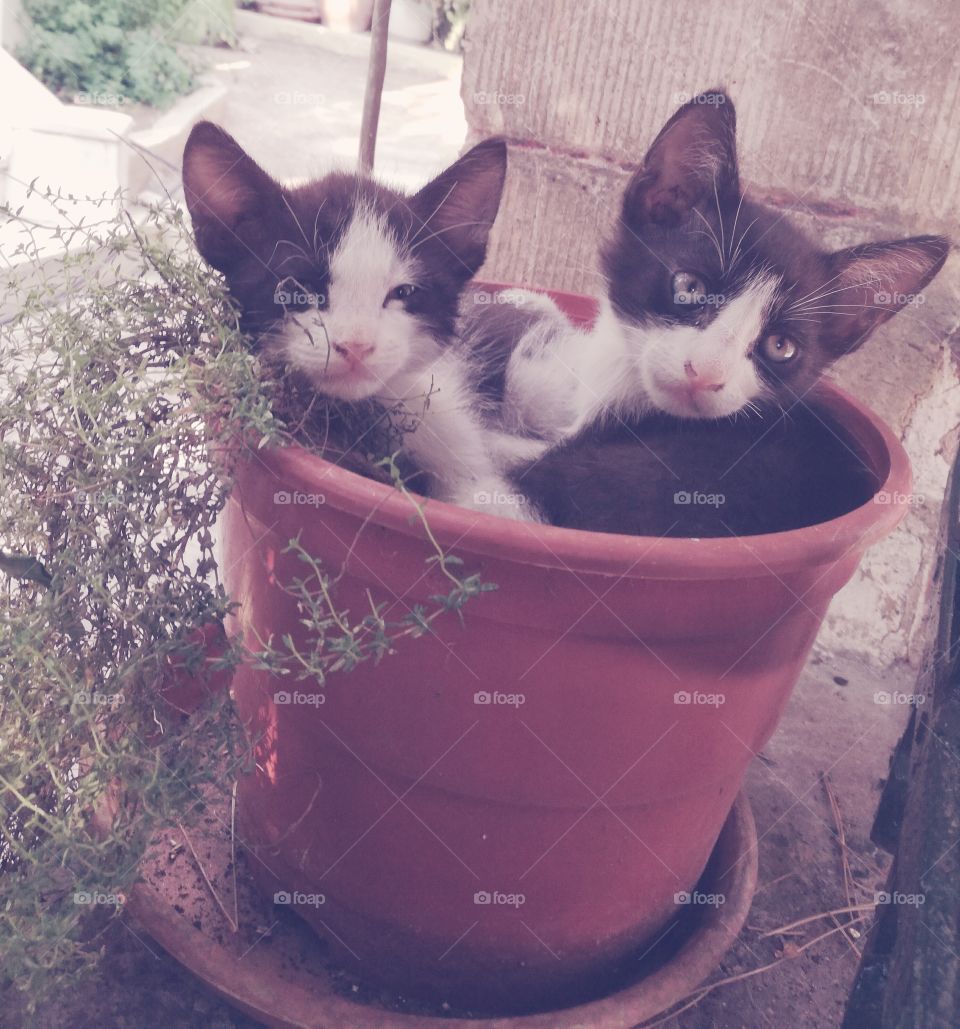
[635, 557]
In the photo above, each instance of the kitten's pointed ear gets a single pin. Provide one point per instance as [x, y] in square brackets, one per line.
[695, 152]
[869, 283]
[455, 212]
[224, 187]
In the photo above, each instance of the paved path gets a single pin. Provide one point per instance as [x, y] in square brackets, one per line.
[296, 96]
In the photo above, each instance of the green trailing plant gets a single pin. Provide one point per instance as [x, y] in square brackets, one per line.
[128, 393]
[107, 51]
[339, 641]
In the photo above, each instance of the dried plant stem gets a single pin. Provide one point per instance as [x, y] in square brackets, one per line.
[233, 852]
[852, 909]
[844, 863]
[213, 893]
[698, 995]
[773, 882]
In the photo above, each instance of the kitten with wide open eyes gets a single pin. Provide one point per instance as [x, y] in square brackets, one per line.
[714, 304]
[355, 287]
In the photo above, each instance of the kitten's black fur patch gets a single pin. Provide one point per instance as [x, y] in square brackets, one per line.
[774, 474]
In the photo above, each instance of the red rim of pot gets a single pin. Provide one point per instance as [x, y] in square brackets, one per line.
[643, 557]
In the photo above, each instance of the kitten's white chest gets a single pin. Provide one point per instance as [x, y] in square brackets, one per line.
[447, 439]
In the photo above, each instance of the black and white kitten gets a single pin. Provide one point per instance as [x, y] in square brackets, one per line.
[356, 287]
[715, 304]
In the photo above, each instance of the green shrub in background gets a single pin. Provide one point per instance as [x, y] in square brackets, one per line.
[120, 49]
[209, 22]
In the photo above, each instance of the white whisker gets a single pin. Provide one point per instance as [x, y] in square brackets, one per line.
[712, 235]
[736, 218]
[296, 220]
[716, 197]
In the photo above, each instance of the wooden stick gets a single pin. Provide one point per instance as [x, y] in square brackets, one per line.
[376, 71]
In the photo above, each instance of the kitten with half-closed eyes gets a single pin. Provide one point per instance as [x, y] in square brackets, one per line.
[355, 287]
[714, 304]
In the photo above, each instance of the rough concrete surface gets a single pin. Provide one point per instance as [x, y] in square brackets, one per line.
[837, 102]
[598, 79]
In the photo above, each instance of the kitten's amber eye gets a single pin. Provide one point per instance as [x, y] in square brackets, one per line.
[401, 292]
[779, 348]
[688, 289]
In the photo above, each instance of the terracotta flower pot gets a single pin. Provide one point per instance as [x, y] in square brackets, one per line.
[501, 812]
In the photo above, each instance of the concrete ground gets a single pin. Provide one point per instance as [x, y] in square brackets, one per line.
[295, 101]
[296, 98]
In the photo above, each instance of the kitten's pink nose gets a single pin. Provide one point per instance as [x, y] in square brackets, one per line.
[707, 378]
[355, 353]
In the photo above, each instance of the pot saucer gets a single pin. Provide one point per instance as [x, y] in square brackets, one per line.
[273, 967]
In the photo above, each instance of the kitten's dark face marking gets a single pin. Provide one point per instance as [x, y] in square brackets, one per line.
[346, 280]
[725, 303]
